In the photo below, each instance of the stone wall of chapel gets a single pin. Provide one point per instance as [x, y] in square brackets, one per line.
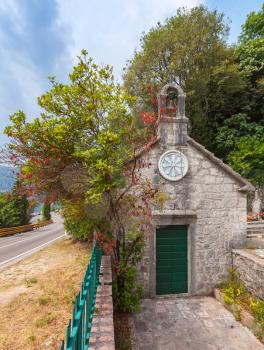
[220, 222]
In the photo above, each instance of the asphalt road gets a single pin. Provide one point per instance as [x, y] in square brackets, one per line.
[19, 246]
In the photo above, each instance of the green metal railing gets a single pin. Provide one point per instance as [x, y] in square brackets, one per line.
[79, 327]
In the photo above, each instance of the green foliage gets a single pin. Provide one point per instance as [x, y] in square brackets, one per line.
[242, 135]
[233, 130]
[80, 220]
[78, 228]
[46, 216]
[14, 210]
[126, 290]
[248, 158]
[233, 288]
[231, 294]
[78, 147]
[253, 28]
[257, 309]
[250, 57]
[190, 49]
[236, 294]
[30, 281]
[224, 85]
[127, 293]
[31, 338]
[42, 300]
[78, 153]
[45, 320]
[78, 141]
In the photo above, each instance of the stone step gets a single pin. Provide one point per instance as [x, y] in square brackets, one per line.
[260, 226]
[255, 230]
[259, 236]
[255, 227]
[255, 233]
[255, 223]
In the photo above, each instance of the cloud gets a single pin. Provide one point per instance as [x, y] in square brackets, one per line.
[11, 13]
[32, 48]
[110, 30]
[43, 38]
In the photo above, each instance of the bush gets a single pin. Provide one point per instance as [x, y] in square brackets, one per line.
[14, 210]
[231, 295]
[235, 293]
[257, 309]
[233, 288]
[46, 212]
[127, 293]
[78, 228]
[77, 220]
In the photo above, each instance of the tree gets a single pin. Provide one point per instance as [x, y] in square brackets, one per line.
[14, 210]
[247, 153]
[46, 212]
[248, 158]
[190, 49]
[82, 151]
[233, 129]
[250, 55]
[253, 28]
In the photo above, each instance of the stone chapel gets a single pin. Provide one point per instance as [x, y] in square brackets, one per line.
[204, 216]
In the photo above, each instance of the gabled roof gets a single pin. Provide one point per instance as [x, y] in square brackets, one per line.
[246, 185]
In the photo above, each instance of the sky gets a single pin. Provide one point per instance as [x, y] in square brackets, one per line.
[41, 38]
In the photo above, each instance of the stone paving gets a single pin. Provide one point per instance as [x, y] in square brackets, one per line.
[196, 323]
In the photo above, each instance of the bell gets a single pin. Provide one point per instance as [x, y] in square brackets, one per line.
[171, 105]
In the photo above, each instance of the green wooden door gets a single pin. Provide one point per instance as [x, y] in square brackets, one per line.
[171, 260]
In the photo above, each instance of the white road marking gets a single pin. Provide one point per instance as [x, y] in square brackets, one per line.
[30, 251]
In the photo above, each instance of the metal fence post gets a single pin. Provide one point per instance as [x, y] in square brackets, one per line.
[79, 327]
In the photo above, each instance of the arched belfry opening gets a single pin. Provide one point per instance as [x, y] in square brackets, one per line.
[171, 101]
[173, 124]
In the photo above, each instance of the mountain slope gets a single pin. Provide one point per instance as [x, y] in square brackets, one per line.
[7, 178]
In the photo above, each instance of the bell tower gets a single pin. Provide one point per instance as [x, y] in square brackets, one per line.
[173, 124]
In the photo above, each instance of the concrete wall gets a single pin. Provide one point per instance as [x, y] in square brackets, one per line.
[102, 333]
[208, 201]
[251, 270]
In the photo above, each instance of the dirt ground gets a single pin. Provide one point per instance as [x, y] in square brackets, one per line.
[122, 331]
[37, 295]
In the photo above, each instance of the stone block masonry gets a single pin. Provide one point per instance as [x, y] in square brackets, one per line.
[209, 201]
[251, 270]
[102, 333]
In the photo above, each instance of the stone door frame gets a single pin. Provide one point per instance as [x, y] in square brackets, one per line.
[178, 217]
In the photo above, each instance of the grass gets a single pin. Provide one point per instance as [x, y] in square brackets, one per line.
[31, 338]
[50, 280]
[30, 281]
[42, 300]
[45, 320]
[236, 294]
